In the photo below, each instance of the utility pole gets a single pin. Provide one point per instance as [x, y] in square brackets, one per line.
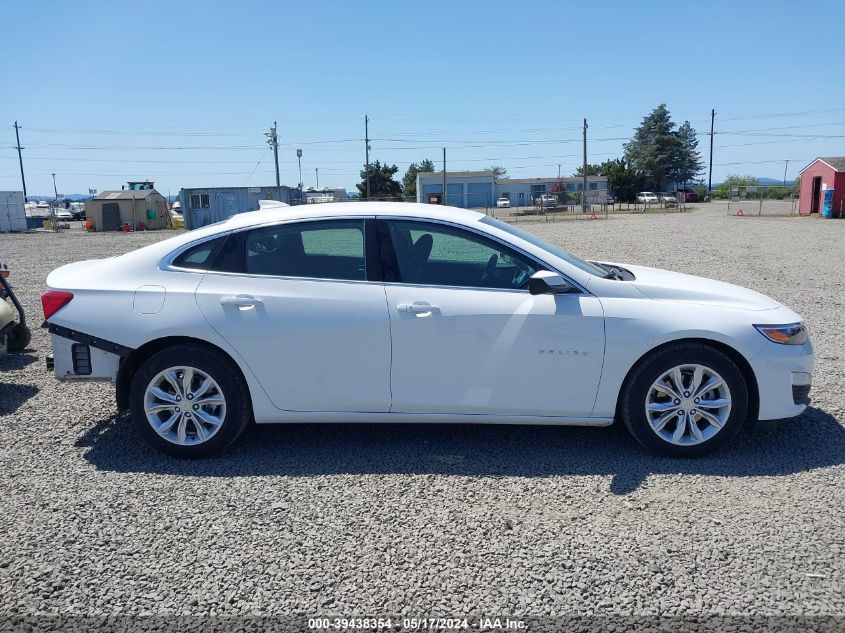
[20, 159]
[710, 175]
[558, 171]
[367, 151]
[317, 172]
[273, 141]
[444, 176]
[55, 191]
[785, 167]
[584, 175]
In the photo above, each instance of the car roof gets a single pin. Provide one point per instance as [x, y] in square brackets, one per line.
[351, 209]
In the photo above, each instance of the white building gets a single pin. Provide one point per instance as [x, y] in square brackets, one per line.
[474, 189]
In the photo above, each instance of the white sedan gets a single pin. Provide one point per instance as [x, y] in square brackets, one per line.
[646, 197]
[503, 203]
[385, 312]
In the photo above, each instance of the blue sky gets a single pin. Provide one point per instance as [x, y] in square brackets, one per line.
[181, 91]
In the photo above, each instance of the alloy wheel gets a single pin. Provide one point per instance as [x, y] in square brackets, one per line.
[184, 405]
[688, 405]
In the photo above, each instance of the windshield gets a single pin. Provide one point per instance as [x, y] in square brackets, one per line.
[557, 251]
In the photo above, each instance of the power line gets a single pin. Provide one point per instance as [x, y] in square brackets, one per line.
[779, 114]
[788, 127]
[761, 162]
[134, 132]
[246, 180]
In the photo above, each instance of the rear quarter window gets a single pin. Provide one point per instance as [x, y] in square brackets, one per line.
[200, 256]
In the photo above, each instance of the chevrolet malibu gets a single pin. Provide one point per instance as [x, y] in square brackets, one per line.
[383, 312]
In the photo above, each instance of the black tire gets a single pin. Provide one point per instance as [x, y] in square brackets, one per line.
[217, 366]
[637, 386]
[19, 337]
[4, 344]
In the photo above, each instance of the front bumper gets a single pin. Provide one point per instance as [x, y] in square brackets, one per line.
[801, 394]
[783, 379]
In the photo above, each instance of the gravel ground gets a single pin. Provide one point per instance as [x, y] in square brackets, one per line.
[436, 520]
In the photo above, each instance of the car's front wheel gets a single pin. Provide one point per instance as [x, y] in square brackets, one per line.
[685, 400]
[189, 401]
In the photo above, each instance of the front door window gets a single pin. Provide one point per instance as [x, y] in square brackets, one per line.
[442, 255]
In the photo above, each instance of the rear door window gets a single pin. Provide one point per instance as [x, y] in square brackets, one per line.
[331, 249]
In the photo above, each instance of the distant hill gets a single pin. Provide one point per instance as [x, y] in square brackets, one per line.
[765, 181]
[774, 181]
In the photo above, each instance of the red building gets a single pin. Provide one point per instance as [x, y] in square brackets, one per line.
[816, 178]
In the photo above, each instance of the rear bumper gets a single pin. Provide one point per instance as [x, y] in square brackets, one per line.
[71, 360]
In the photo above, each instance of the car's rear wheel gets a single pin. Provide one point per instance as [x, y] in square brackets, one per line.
[685, 400]
[189, 401]
[4, 344]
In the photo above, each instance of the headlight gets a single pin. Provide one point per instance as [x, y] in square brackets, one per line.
[791, 334]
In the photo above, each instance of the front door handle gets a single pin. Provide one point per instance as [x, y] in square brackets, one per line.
[241, 301]
[417, 307]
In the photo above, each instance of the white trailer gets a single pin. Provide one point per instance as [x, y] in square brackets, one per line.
[12, 213]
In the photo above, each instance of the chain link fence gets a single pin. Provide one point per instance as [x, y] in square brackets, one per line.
[762, 200]
[549, 207]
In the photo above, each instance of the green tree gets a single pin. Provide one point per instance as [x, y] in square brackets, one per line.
[662, 154]
[700, 189]
[592, 170]
[381, 181]
[623, 180]
[497, 170]
[409, 180]
[723, 191]
[691, 164]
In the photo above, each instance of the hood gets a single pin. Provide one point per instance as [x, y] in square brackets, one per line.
[664, 285]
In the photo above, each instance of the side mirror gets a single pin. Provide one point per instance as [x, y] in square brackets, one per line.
[545, 282]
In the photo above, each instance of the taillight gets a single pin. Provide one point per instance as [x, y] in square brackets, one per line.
[54, 300]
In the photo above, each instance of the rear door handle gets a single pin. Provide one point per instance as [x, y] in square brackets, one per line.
[417, 307]
[241, 301]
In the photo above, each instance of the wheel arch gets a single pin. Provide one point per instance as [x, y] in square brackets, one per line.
[129, 365]
[731, 352]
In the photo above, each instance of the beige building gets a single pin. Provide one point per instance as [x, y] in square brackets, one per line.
[140, 206]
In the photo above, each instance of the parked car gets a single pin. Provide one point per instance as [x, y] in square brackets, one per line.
[646, 197]
[668, 200]
[77, 210]
[607, 199]
[689, 195]
[63, 215]
[503, 203]
[387, 312]
[547, 200]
